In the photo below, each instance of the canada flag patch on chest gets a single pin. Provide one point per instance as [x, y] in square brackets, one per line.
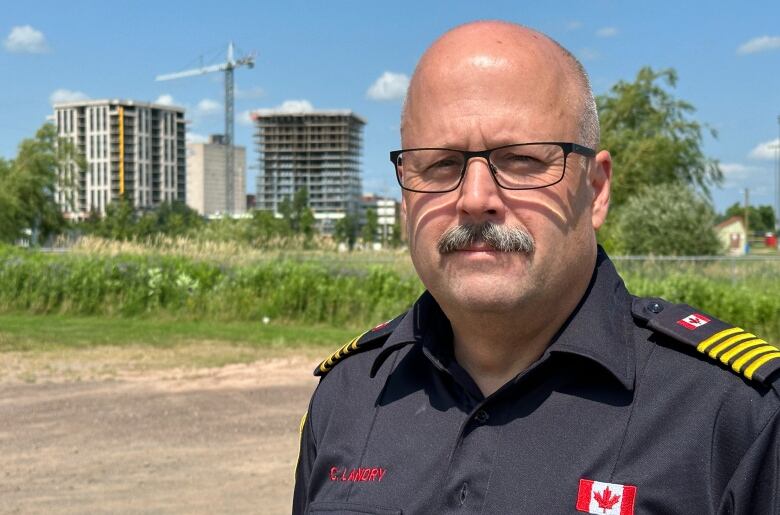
[605, 498]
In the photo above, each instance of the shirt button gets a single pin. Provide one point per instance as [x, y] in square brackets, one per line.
[655, 307]
[481, 416]
[464, 492]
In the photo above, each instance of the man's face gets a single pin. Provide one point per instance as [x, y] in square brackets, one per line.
[466, 100]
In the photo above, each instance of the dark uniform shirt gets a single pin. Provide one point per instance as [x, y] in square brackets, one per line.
[616, 417]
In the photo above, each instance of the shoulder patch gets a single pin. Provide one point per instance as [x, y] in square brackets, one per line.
[744, 352]
[371, 339]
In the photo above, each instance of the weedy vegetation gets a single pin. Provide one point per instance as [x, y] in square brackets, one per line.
[189, 281]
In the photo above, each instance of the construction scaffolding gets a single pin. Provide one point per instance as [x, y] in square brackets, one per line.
[319, 151]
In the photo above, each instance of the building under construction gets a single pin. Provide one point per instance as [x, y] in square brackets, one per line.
[319, 151]
[132, 149]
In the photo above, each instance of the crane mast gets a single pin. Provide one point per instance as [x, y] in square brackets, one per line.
[228, 67]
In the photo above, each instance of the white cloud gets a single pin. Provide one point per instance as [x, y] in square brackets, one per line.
[251, 93]
[65, 95]
[24, 39]
[288, 106]
[738, 177]
[737, 171]
[588, 54]
[208, 107]
[245, 118]
[194, 137]
[760, 44]
[390, 86]
[573, 25]
[607, 32]
[766, 150]
[165, 99]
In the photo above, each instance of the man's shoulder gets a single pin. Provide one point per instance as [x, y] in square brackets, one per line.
[369, 340]
[729, 351]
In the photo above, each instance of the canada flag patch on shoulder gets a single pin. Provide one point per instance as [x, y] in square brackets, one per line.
[693, 321]
[605, 498]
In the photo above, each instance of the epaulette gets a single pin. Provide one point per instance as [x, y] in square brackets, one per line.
[744, 352]
[371, 339]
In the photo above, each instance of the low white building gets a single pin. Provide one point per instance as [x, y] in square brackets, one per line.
[388, 212]
[733, 236]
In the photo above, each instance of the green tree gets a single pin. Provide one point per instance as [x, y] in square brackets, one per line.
[172, 219]
[119, 221]
[296, 213]
[264, 226]
[27, 185]
[307, 225]
[286, 210]
[10, 226]
[760, 218]
[396, 238]
[370, 228]
[666, 219]
[346, 230]
[652, 138]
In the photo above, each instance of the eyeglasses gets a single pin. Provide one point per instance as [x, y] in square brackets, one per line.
[522, 166]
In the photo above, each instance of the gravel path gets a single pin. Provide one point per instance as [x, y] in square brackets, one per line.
[219, 440]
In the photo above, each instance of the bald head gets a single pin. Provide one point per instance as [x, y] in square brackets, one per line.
[512, 55]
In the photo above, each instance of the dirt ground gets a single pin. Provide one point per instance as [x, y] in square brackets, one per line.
[107, 438]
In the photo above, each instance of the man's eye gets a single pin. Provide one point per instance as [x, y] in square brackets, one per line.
[444, 164]
[520, 158]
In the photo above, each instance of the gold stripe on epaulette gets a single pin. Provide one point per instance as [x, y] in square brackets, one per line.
[743, 360]
[300, 442]
[337, 356]
[726, 356]
[749, 371]
[702, 347]
[724, 346]
[748, 352]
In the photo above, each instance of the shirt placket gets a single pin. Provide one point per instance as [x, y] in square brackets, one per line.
[471, 465]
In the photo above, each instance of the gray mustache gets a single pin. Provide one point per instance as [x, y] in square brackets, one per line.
[501, 237]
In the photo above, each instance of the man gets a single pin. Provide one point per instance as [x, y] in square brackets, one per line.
[526, 379]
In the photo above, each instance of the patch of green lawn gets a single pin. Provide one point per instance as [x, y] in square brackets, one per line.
[25, 332]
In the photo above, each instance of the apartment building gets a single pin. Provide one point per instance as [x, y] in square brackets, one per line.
[388, 213]
[206, 177]
[318, 150]
[132, 149]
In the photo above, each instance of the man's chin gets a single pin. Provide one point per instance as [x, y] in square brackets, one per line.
[483, 292]
[462, 263]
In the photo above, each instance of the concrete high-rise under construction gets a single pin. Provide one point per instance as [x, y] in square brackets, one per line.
[317, 150]
[132, 149]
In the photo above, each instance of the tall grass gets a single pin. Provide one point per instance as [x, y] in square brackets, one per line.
[190, 280]
[239, 253]
[742, 291]
[165, 285]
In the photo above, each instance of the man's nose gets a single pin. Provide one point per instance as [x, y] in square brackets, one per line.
[479, 196]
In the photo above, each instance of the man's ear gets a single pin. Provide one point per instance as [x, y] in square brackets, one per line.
[599, 181]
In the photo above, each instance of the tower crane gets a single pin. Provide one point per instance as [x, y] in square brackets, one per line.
[228, 66]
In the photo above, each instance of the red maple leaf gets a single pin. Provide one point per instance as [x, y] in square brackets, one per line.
[605, 499]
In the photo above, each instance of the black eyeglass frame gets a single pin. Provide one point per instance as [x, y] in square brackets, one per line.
[567, 147]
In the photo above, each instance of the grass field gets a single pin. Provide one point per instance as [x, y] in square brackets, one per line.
[113, 294]
[24, 332]
[45, 347]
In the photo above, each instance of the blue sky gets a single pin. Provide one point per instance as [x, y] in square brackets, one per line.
[330, 54]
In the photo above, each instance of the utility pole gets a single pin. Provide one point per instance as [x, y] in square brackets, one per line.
[777, 180]
[747, 222]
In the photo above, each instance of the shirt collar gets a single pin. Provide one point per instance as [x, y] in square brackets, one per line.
[600, 326]
[598, 329]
